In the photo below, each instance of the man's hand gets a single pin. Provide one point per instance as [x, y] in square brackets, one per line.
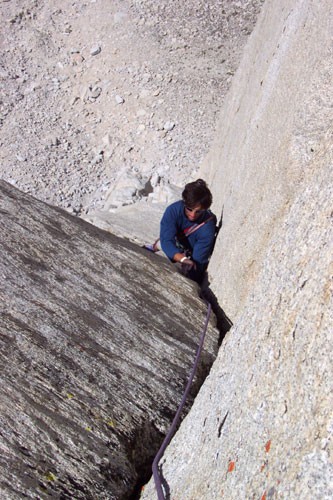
[188, 264]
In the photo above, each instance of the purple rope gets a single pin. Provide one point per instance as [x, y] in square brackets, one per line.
[168, 437]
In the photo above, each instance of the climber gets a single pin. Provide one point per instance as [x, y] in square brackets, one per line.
[187, 230]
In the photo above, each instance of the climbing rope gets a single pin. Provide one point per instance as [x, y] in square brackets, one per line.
[172, 430]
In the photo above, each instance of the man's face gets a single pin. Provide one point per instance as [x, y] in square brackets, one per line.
[192, 213]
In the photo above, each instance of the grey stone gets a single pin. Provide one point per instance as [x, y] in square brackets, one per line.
[119, 99]
[95, 92]
[21, 158]
[95, 50]
[168, 126]
[124, 190]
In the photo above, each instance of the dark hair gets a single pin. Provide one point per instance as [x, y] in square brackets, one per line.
[197, 193]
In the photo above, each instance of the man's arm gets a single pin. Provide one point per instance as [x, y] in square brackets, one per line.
[168, 231]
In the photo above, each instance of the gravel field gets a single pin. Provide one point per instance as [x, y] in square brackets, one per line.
[106, 103]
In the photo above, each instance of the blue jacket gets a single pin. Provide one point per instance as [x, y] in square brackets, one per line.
[201, 242]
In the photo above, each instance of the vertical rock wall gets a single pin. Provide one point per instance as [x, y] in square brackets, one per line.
[261, 426]
[275, 118]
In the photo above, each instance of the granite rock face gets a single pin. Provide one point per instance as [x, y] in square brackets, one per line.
[276, 122]
[98, 337]
[261, 426]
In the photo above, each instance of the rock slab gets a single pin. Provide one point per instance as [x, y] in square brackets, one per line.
[97, 338]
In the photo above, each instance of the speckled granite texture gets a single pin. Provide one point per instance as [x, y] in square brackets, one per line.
[261, 426]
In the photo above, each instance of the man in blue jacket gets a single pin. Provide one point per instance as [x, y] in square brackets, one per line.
[187, 231]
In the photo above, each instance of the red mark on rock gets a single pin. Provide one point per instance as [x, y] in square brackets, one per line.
[231, 466]
[268, 446]
[264, 496]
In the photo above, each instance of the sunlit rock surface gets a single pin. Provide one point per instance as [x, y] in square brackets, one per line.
[98, 337]
[261, 426]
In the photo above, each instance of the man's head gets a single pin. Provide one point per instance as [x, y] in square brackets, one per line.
[197, 193]
[197, 198]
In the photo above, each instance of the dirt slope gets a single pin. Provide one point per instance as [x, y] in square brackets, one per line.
[94, 90]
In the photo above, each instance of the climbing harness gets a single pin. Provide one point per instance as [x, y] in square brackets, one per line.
[172, 430]
[190, 230]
